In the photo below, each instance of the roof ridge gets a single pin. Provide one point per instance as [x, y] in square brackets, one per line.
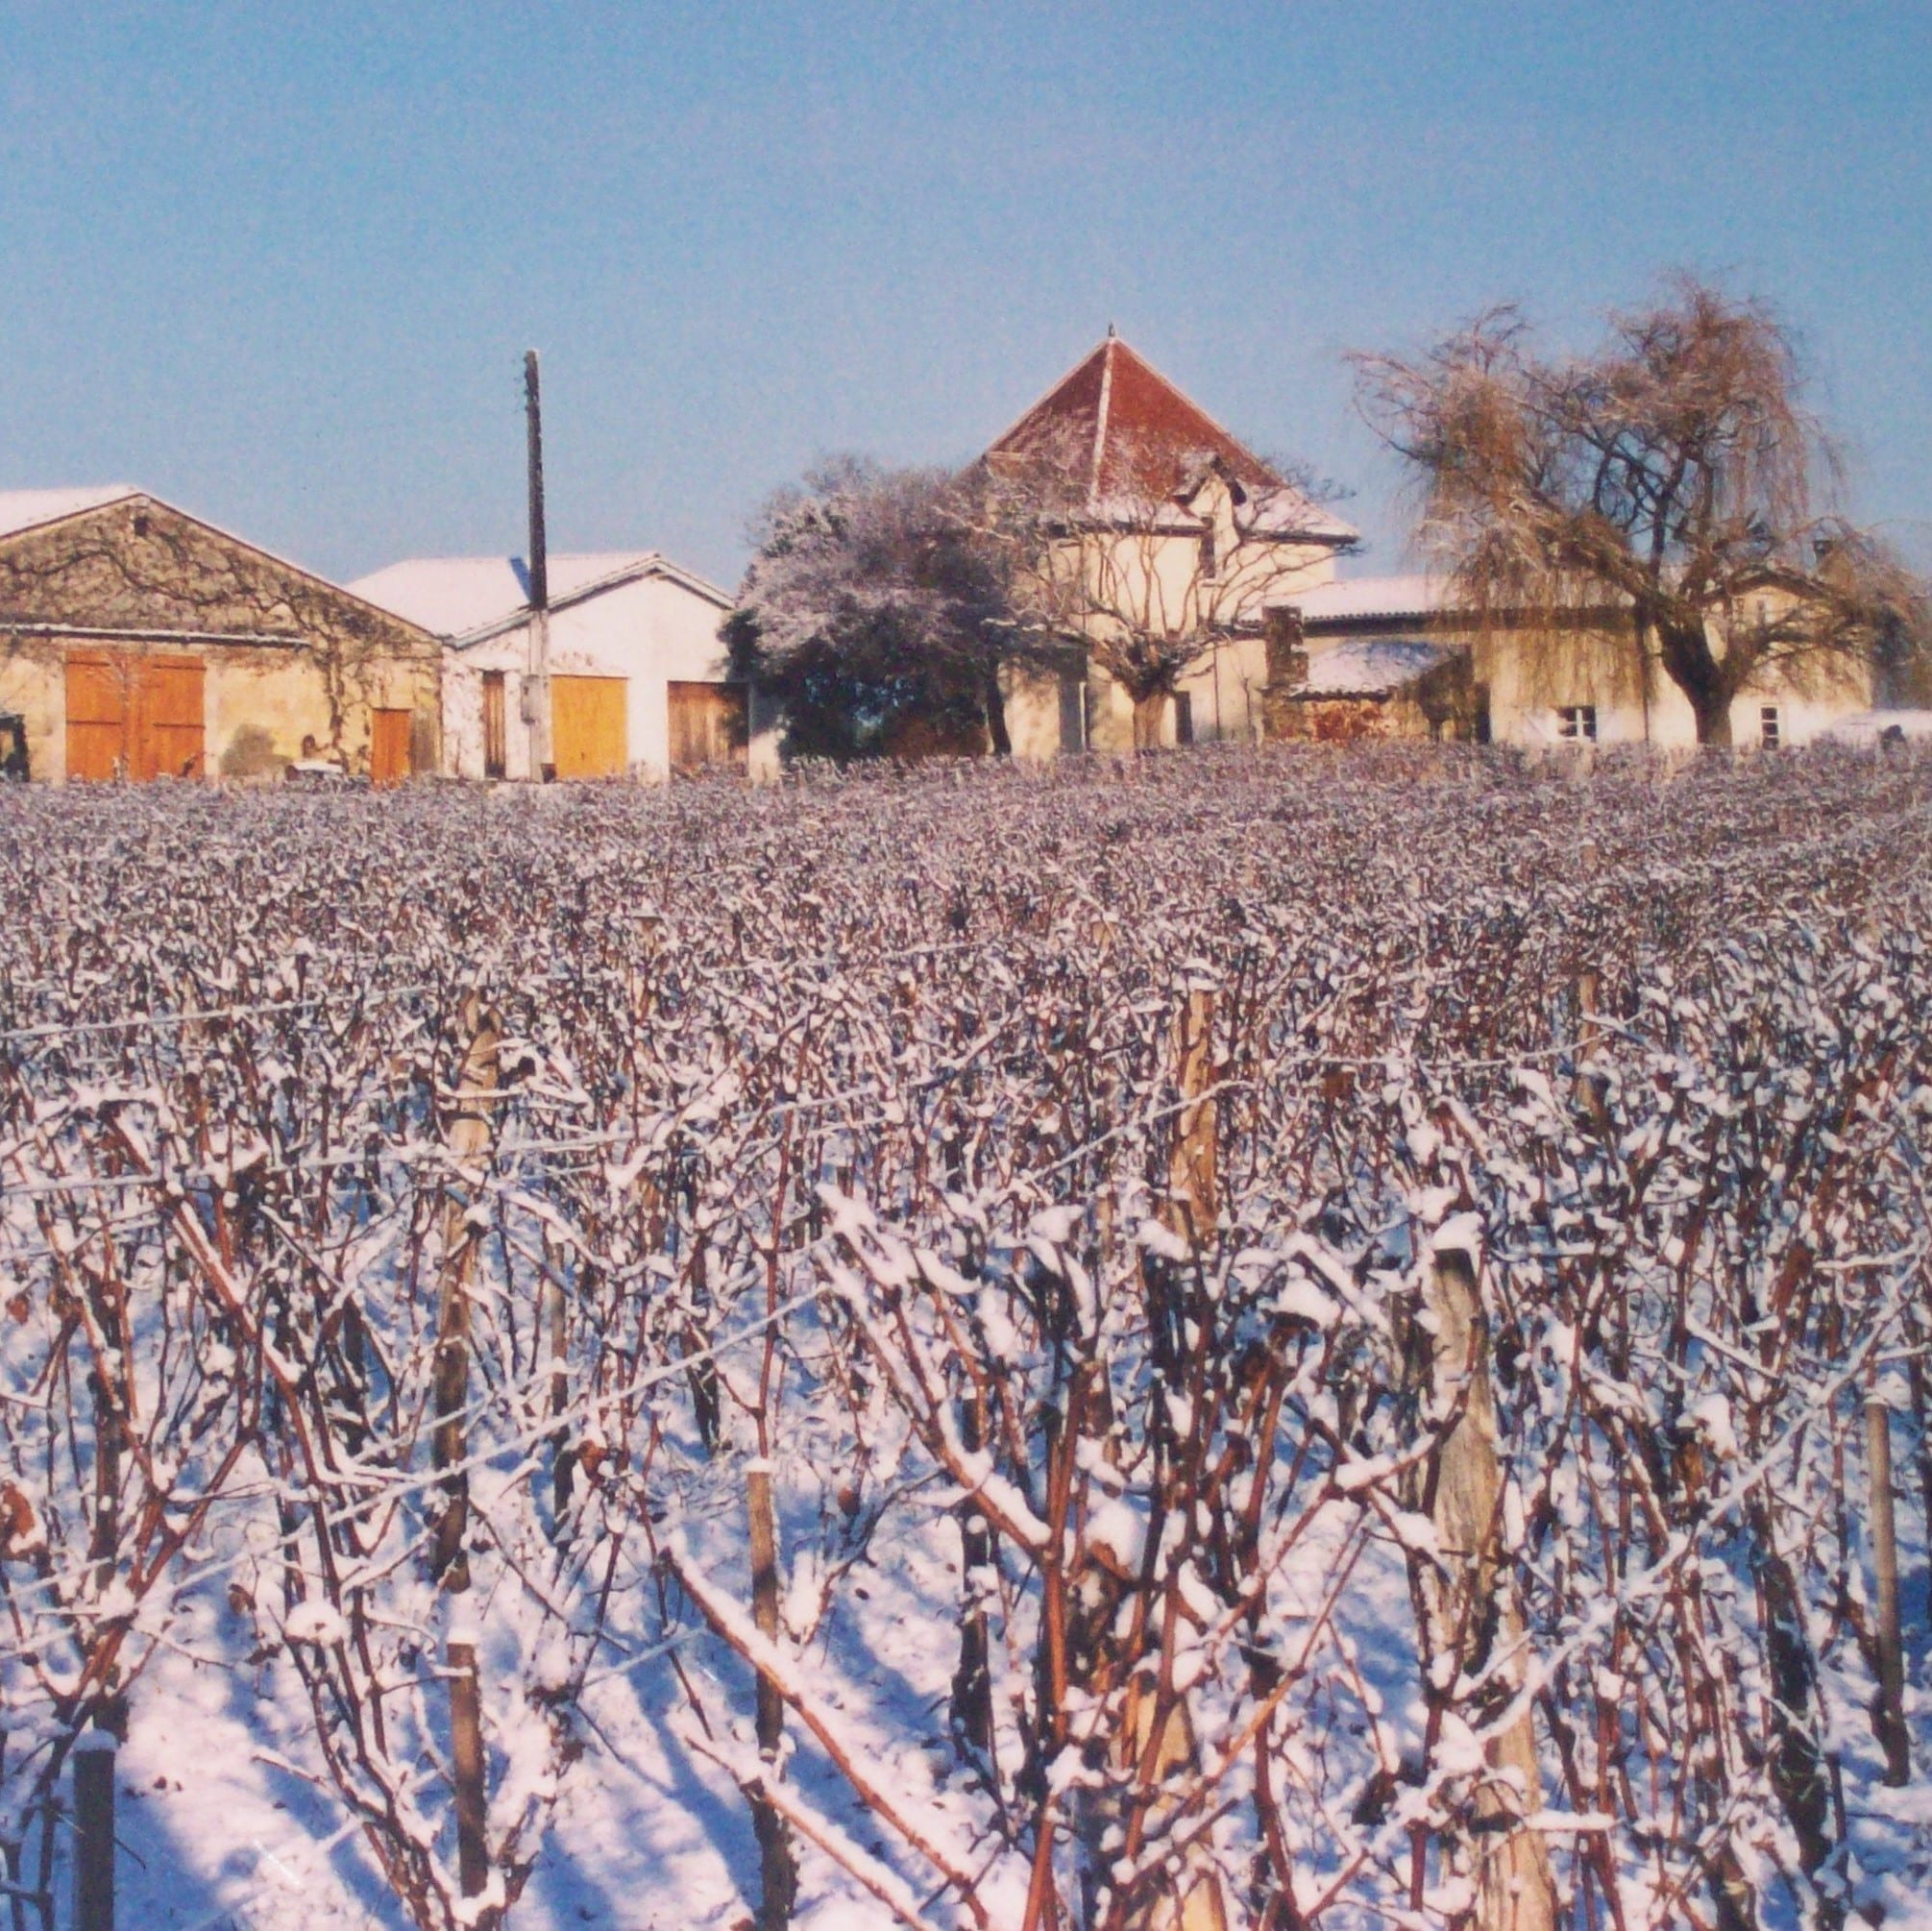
[134, 493]
[1046, 395]
[1101, 411]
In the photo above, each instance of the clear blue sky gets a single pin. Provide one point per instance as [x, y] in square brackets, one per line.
[279, 263]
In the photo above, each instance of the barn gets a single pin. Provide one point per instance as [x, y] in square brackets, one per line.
[137, 641]
[627, 650]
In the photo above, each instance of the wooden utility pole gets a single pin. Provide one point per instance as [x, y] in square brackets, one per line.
[537, 666]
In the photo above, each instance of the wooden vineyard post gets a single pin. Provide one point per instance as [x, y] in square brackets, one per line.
[970, 1706]
[778, 1868]
[1889, 1710]
[1467, 1606]
[469, 1131]
[1193, 1177]
[94, 1831]
[1592, 1090]
[1193, 1186]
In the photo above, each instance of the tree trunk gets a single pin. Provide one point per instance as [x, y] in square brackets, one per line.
[1713, 714]
[1708, 685]
[94, 1831]
[993, 698]
[1193, 1901]
[1150, 719]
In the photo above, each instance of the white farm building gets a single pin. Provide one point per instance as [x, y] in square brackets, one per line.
[636, 676]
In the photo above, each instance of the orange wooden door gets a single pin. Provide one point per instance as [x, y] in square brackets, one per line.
[389, 762]
[131, 716]
[588, 735]
[707, 724]
[99, 690]
[167, 741]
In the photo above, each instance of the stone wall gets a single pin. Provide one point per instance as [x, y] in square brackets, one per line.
[292, 661]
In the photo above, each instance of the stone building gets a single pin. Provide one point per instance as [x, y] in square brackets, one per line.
[138, 642]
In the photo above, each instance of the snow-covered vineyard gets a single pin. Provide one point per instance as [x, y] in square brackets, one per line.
[1253, 1340]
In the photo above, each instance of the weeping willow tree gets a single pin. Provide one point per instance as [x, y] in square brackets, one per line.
[1674, 476]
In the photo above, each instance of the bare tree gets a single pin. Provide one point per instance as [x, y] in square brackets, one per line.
[1674, 474]
[1151, 568]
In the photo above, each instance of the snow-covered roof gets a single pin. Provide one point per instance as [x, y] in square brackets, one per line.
[29, 508]
[1371, 597]
[1372, 667]
[458, 596]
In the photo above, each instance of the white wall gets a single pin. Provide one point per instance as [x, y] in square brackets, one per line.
[1528, 685]
[650, 631]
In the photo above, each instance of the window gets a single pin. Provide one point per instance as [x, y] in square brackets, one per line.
[1770, 727]
[1577, 724]
[1072, 711]
[1183, 718]
[1211, 557]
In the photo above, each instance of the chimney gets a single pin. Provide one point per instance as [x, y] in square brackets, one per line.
[1287, 650]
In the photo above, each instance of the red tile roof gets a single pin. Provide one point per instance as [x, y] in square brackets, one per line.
[1132, 428]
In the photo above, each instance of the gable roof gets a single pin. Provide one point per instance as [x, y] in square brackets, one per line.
[1136, 435]
[466, 598]
[24, 509]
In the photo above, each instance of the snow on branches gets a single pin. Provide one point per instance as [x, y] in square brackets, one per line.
[1239, 1340]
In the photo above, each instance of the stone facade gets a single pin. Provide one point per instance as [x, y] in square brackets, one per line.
[289, 664]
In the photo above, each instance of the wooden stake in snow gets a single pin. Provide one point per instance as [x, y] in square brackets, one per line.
[94, 1831]
[1470, 1623]
[1194, 1176]
[779, 1868]
[469, 1130]
[1889, 1709]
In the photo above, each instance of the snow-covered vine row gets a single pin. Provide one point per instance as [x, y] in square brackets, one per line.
[1248, 1340]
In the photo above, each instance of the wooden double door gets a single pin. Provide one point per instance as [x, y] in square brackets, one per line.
[707, 724]
[133, 716]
